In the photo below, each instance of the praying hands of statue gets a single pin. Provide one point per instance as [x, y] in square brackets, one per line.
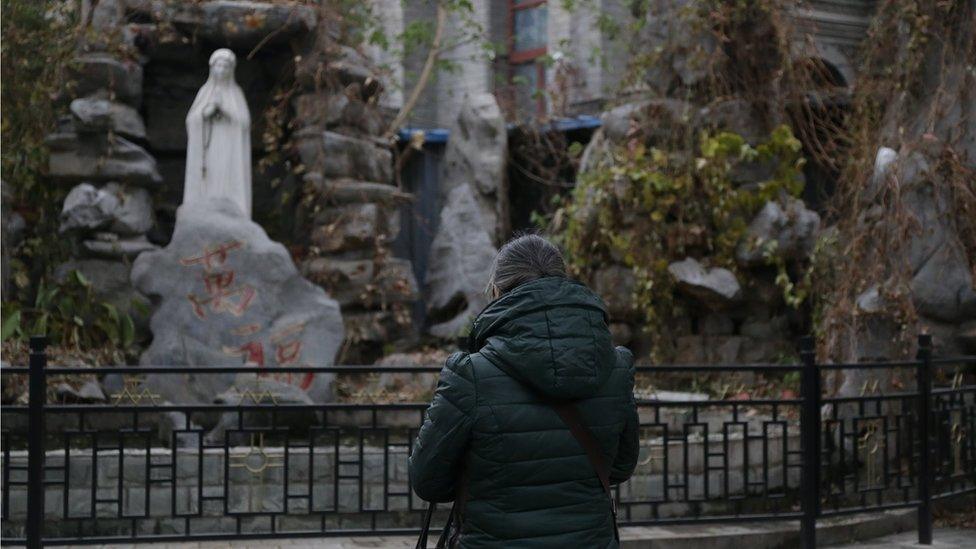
[211, 110]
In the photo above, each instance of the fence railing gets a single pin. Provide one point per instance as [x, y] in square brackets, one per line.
[141, 468]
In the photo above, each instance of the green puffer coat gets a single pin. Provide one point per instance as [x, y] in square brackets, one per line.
[530, 483]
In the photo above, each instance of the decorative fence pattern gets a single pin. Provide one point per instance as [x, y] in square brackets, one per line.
[138, 469]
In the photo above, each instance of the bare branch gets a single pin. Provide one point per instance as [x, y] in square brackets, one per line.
[425, 74]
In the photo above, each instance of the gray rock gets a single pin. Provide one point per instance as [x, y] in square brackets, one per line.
[717, 287]
[94, 72]
[724, 349]
[792, 227]
[460, 259]
[363, 281]
[750, 174]
[882, 161]
[624, 121]
[175, 423]
[120, 249]
[477, 154]
[931, 211]
[683, 49]
[243, 24]
[354, 226]
[875, 339]
[336, 155]
[227, 295]
[652, 122]
[108, 14]
[100, 158]
[766, 350]
[320, 110]
[945, 337]
[737, 116]
[251, 390]
[870, 301]
[716, 324]
[87, 208]
[96, 113]
[110, 283]
[943, 289]
[598, 152]
[348, 191]
[90, 391]
[327, 110]
[942, 282]
[700, 349]
[615, 284]
[409, 386]
[331, 63]
[967, 336]
[773, 328]
[124, 210]
[373, 327]
[134, 214]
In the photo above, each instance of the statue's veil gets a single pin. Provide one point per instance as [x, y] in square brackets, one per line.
[224, 91]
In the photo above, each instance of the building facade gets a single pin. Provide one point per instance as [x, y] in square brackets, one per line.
[543, 59]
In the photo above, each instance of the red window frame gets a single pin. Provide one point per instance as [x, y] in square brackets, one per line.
[523, 57]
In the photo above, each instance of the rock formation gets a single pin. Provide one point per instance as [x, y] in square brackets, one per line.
[350, 204]
[477, 155]
[99, 147]
[725, 316]
[460, 260]
[473, 219]
[229, 295]
[150, 58]
[914, 211]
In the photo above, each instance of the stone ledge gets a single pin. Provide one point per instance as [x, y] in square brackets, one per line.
[770, 535]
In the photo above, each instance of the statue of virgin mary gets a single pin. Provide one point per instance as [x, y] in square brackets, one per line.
[218, 147]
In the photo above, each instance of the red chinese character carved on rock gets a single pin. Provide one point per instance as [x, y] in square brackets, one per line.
[212, 255]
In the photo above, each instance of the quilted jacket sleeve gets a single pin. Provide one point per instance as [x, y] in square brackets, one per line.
[629, 444]
[438, 452]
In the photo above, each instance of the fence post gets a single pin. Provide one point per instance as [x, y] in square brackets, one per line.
[37, 391]
[923, 382]
[810, 443]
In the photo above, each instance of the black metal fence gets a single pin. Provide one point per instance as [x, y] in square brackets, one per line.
[137, 469]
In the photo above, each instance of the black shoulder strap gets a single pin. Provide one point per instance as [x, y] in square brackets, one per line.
[571, 417]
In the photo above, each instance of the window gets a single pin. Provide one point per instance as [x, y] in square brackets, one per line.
[527, 45]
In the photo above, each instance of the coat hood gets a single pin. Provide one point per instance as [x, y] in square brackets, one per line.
[552, 333]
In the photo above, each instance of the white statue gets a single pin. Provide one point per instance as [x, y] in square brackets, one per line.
[218, 147]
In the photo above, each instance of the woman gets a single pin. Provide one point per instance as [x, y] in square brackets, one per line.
[493, 434]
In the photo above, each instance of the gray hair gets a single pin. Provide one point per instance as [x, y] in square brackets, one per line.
[523, 259]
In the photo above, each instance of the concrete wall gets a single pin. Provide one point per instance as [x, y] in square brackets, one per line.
[256, 484]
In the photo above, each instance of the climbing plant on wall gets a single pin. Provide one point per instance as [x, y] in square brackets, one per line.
[721, 122]
[914, 95]
[39, 41]
[651, 206]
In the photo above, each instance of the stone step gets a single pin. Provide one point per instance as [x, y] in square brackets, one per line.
[339, 191]
[336, 155]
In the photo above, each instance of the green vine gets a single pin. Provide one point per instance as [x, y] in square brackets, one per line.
[652, 206]
[71, 314]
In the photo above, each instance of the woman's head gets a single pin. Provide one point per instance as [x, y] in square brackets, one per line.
[222, 64]
[523, 259]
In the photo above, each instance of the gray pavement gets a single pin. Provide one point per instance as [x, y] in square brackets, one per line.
[942, 538]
